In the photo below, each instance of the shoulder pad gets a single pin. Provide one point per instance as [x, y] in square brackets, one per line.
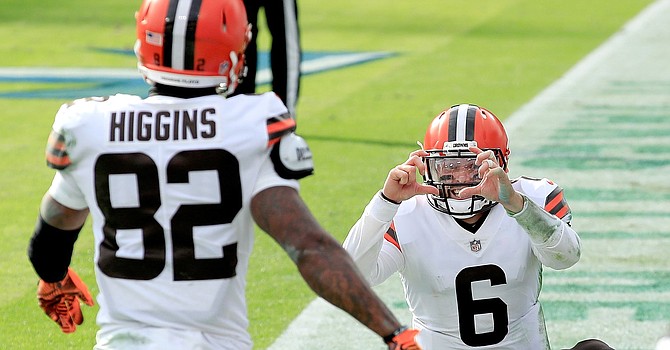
[547, 194]
[292, 157]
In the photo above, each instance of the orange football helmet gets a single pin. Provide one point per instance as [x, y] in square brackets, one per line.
[450, 165]
[191, 43]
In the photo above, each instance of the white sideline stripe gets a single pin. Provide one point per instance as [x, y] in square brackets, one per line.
[263, 76]
[321, 325]
[614, 46]
[44, 72]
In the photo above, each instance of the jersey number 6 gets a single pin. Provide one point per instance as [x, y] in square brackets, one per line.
[468, 307]
[186, 266]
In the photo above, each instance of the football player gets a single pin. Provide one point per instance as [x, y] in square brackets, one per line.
[468, 242]
[174, 183]
[281, 18]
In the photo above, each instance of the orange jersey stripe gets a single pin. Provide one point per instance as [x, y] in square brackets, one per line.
[278, 126]
[58, 162]
[391, 236]
[56, 142]
[273, 141]
[56, 152]
[551, 205]
[556, 203]
[390, 239]
[564, 211]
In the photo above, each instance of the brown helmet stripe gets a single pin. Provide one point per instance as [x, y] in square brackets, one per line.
[462, 122]
[453, 119]
[179, 37]
[167, 36]
[470, 123]
[189, 45]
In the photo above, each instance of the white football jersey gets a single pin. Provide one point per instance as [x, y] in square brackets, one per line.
[168, 182]
[466, 289]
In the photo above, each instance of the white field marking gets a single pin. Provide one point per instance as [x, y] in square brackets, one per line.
[83, 73]
[604, 297]
[634, 207]
[638, 55]
[263, 76]
[613, 327]
[632, 225]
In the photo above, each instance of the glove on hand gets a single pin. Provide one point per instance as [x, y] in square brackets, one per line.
[405, 340]
[60, 300]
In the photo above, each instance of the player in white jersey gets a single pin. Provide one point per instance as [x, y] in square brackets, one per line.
[174, 183]
[469, 244]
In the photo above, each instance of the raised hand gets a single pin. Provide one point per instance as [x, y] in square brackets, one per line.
[495, 184]
[401, 181]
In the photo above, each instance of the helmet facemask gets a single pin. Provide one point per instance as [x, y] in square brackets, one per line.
[450, 170]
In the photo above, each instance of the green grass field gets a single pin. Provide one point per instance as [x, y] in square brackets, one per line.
[359, 121]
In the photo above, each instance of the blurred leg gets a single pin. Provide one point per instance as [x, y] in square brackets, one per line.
[285, 53]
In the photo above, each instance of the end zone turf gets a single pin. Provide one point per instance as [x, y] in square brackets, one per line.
[601, 132]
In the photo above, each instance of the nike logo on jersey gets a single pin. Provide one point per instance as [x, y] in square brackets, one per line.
[130, 126]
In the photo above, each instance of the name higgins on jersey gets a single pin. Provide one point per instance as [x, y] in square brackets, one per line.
[129, 126]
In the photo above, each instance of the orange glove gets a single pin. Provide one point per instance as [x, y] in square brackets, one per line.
[405, 340]
[60, 300]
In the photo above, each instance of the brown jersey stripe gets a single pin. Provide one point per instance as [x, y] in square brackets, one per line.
[189, 49]
[278, 127]
[56, 153]
[556, 203]
[392, 237]
[58, 163]
[563, 212]
[56, 141]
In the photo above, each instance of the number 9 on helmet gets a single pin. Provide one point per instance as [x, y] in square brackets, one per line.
[192, 43]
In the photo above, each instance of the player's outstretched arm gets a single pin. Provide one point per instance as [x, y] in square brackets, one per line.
[50, 250]
[324, 264]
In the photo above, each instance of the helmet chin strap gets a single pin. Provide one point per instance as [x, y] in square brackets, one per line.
[222, 89]
[460, 208]
[463, 217]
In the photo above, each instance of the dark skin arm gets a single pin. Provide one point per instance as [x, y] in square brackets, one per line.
[321, 260]
[323, 263]
[60, 216]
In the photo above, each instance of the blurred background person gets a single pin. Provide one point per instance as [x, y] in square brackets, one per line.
[285, 51]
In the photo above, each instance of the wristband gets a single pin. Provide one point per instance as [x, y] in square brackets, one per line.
[387, 198]
[50, 250]
[389, 338]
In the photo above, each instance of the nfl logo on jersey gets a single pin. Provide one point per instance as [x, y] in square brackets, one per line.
[475, 245]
